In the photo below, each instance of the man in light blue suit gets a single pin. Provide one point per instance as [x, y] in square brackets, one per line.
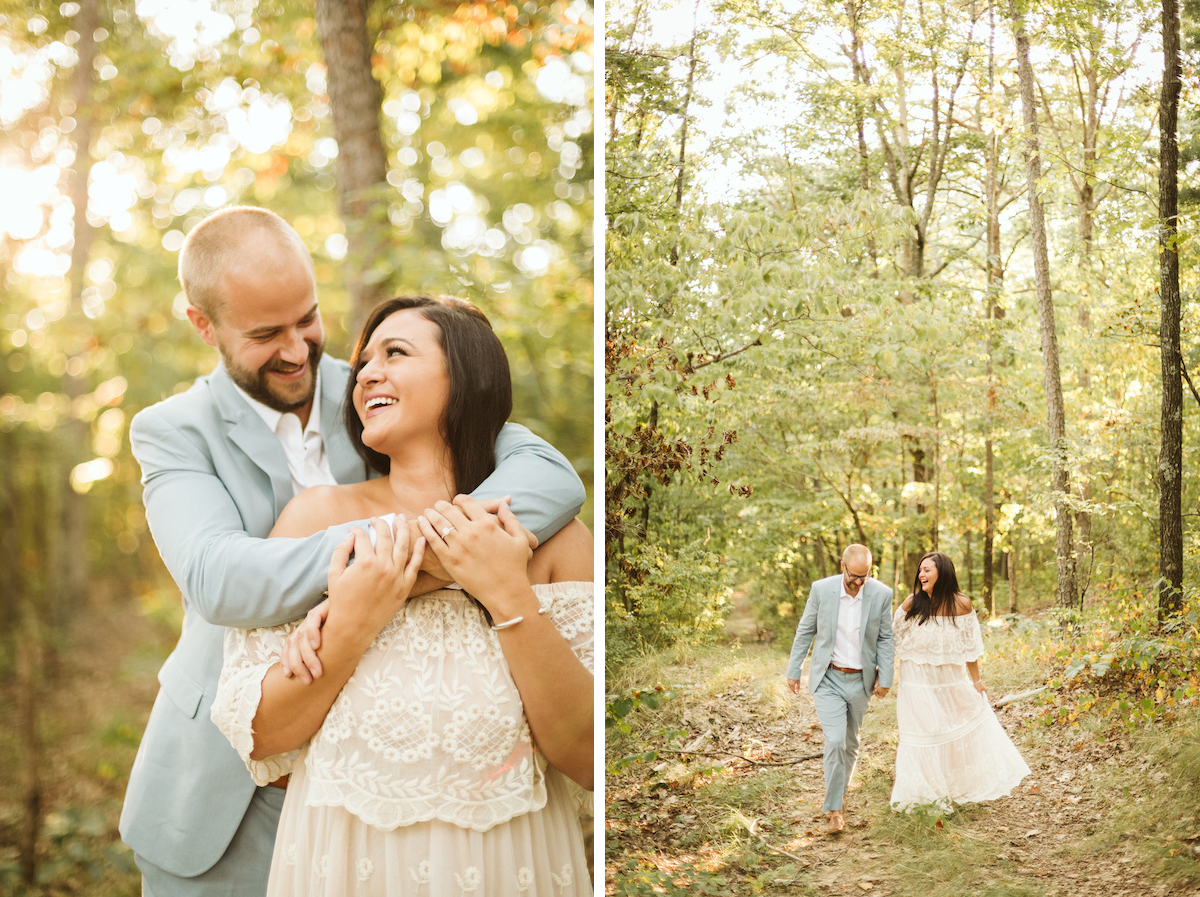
[848, 623]
[219, 462]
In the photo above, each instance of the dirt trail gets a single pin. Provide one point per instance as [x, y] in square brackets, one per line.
[1030, 843]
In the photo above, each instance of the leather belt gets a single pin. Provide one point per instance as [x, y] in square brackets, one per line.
[843, 669]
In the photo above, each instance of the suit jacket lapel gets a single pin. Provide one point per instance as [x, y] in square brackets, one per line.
[868, 606]
[832, 601]
[249, 433]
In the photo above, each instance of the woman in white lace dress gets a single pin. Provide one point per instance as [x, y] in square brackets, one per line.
[952, 749]
[442, 748]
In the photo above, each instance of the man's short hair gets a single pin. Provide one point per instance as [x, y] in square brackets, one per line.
[859, 551]
[224, 238]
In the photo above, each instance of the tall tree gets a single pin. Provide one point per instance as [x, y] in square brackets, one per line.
[1170, 458]
[1067, 591]
[355, 99]
[995, 283]
[67, 561]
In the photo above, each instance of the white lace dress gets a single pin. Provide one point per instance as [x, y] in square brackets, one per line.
[952, 750]
[423, 779]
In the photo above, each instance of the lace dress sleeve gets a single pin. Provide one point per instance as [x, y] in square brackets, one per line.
[571, 607]
[972, 637]
[249, 653]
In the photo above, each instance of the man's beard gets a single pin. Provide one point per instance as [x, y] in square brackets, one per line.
[257, 385]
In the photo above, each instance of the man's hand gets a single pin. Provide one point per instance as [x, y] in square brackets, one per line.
[432, 564]
[492, 506]
[300, 650]
[794, 685]
[880, 692]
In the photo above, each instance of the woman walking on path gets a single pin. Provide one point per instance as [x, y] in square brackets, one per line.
[953, 749]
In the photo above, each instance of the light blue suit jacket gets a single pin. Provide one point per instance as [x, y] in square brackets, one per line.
[215, 479]
[818, 629]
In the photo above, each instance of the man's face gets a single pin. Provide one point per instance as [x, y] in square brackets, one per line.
[269, 333]
[854, 574]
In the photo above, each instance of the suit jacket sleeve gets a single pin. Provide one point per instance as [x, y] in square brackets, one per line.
[546, 491]
[885, 648]
[228, 573]
[806, 631]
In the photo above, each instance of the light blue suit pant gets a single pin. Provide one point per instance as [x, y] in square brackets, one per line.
[242, 870]
[841, 703]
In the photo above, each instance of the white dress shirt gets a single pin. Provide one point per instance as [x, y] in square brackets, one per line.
[303, 447]
[847, 644]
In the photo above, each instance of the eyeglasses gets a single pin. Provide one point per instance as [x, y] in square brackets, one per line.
[850, 577]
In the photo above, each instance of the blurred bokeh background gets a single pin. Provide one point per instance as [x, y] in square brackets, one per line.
[432, 147]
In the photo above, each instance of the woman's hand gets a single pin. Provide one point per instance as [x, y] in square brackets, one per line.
[369, 592]
[487, 554]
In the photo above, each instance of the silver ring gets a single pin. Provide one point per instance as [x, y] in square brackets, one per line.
[447, 530]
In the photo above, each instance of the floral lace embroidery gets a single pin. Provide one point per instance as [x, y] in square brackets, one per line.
[470, 880]
[938, 641]
[420, 875]
[524, 879]
[365, 867]
[565, 880]
[430, 726]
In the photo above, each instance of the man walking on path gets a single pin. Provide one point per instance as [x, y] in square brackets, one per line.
[848, 624]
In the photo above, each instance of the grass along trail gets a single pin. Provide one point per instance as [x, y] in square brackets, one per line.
[727, 798]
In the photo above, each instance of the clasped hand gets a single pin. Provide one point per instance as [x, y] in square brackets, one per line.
[481, 546]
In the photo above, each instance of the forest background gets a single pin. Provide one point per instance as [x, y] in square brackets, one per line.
[428, 147]
[896, 273]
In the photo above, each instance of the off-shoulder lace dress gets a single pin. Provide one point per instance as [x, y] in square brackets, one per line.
[424, 778]
[952, 749]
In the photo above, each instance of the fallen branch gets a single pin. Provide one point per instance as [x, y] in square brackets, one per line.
[752, 828]
[742, 757]
[1021, 696]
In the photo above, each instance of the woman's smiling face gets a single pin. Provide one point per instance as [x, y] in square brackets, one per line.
[402, 385]
[928, 575]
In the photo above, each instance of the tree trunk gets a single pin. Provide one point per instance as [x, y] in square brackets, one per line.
[920, 475]
[995, 281]
[970, 569]
[22, 636]
[1170, 457]
[28, 664]
[1067, 591]
[67, 559]
[355, 98]
[644, 529]
[860, 122]
[681, 165]
[1012, 579]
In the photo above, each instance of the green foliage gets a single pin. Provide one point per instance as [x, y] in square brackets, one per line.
[1117, 666]
[641, 878]
[619, 728]
[666, 593]
[83, 857]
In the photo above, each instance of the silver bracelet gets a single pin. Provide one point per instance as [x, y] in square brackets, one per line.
[496, 627]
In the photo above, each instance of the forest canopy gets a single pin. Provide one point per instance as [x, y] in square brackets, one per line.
[822, 319]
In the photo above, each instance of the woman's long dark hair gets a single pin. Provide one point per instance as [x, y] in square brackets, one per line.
[480, 396]
[943, 601]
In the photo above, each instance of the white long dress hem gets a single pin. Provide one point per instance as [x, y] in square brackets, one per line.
[952, 748]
